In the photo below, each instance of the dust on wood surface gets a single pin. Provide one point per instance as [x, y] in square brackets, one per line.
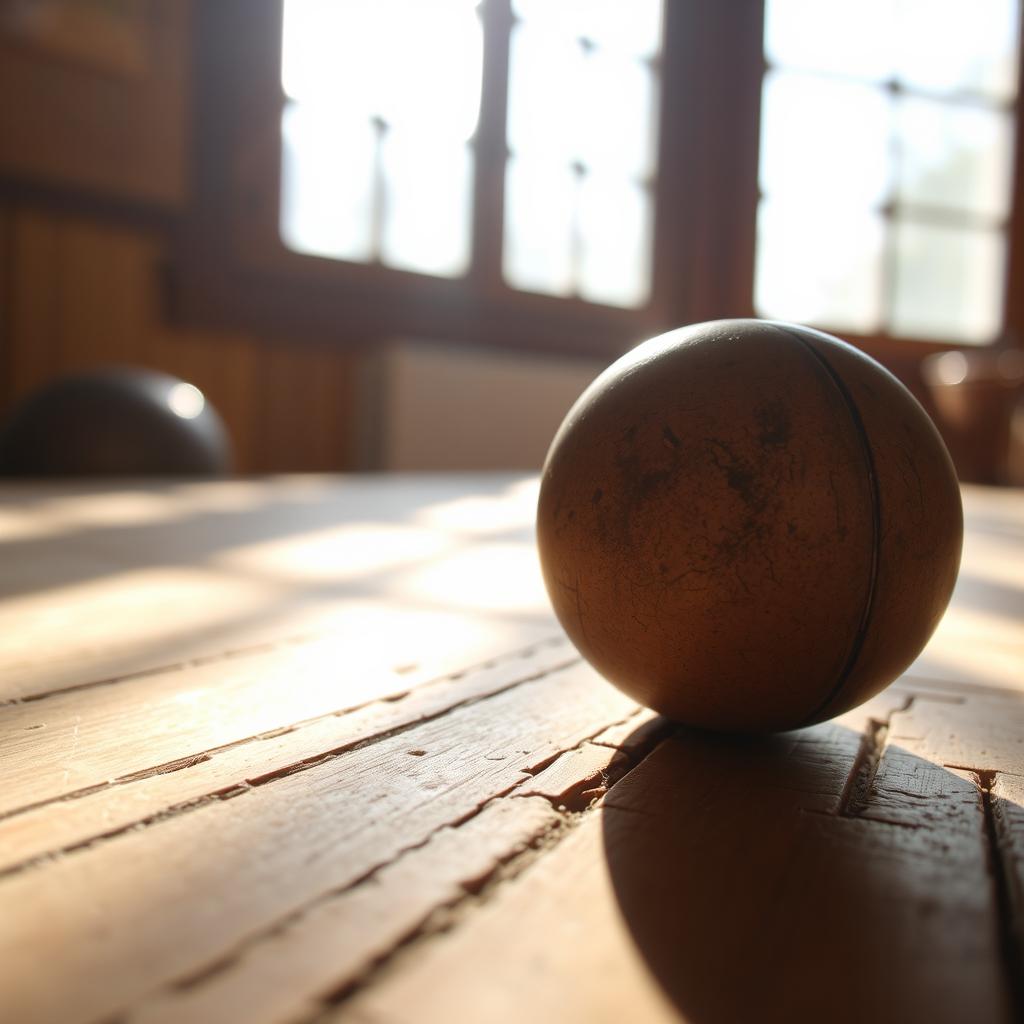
[263, 763]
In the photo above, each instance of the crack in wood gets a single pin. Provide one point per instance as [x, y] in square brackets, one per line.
[857, 791]
[232, 956]
[976, 771]
[856, 795]
[228, 792]
[205, 755]
[446, 914]
[243, 786]
[1005, 894]
[174, 666]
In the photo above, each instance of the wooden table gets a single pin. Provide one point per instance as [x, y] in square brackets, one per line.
[313, 749]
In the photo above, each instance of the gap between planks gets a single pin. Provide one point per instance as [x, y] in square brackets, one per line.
[568, 796]
[576, 794]
[534, 770]
[37, 832]
[532, 951]
[159, 903]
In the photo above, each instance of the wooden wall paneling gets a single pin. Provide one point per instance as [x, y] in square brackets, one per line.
[306, 408]
[222, 364]
[32, 303]
[84, 126]
[101, 275]
[6, 267]
[86, 293]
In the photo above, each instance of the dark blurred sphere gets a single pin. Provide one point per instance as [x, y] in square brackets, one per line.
[115, 421]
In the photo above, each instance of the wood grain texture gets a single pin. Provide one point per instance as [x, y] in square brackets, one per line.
[84, 126]
[412, 802]
[981, 639]
[279, 843]
[317, 954]
[58, 820]
[723, 875]
[102, 583]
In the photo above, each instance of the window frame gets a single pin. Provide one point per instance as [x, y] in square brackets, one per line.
[232, 269]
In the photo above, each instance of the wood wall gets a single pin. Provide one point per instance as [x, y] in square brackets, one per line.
[93, 174]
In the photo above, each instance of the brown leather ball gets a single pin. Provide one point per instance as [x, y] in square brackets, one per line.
[749, 525]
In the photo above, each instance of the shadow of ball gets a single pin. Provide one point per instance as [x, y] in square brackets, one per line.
[749, 525]
[115, 421]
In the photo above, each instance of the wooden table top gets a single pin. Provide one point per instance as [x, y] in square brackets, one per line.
[314, 749]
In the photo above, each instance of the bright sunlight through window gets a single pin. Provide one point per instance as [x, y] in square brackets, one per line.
[885, 169]
[380, 135]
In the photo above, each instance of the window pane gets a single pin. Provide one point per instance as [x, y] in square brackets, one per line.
[824, 140]
[427, 189]
[326, 183]
[834, 36]
[406, 72]
[545, 73]
[949, 283]
[615, 125]
[954, 46]
[314, 41]
[429, 68]
[954, 156]
[615, 241]
[632, 28]
[820, 265]
[539, 211]
[354, 50]
[582, 133]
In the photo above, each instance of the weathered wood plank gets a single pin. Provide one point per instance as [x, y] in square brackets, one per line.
[77, 740]
[316, 958]
[291, 971]
[187, 889]
[63, 824]
[985, 732]
[981, 639]
[730, 879]
[578, 777]
[1005, 810]
[634, 734]
[101, 583]
[278, 877]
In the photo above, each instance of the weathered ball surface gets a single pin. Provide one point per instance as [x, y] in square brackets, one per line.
[749, 525]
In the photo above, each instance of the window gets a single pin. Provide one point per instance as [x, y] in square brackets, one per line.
[379, 136]
[886, 165]
[582, 149]
[578, 175]
[383, 99]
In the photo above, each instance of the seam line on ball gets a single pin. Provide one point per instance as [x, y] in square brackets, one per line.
[876, 531]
